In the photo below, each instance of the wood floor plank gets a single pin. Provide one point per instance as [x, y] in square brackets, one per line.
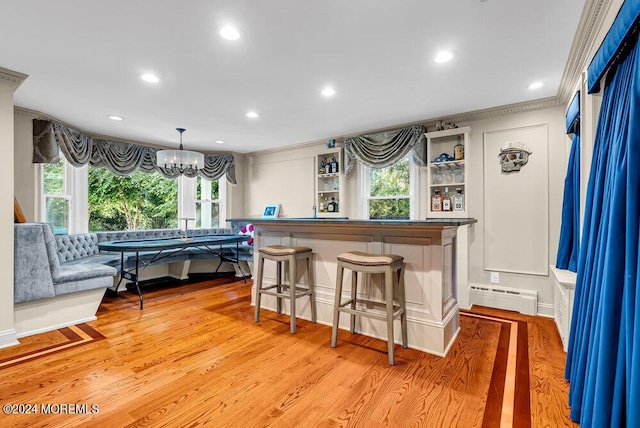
[194, 356]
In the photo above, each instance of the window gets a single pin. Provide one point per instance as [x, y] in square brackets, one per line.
[388, 193]
[208, 203]
[78, 200]
[56, 196]
[137, 201]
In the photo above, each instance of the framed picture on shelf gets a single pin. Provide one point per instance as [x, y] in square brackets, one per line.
[271, 211]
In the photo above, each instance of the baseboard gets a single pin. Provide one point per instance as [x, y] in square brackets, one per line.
[8, 338]
[512, 299]
[545, 310]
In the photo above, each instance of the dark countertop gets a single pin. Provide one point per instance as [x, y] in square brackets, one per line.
[344, 220]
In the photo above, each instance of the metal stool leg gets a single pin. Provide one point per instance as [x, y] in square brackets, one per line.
[311, 280]
[388, 286]
[292, 292]
[259, 286]
[279, 286]
[403, 305]
[336, 306]
[354, 294]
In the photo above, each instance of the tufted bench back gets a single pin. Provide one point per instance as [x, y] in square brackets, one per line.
[73, 247]
[77, 246]
[132, 235]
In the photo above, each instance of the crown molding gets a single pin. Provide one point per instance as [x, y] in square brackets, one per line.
[591, 21]
[11, 78]
[539, 104]
[31, 114]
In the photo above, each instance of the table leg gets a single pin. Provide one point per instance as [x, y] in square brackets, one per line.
[136, 282]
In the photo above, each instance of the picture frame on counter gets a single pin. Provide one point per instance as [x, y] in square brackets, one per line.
[271, 211]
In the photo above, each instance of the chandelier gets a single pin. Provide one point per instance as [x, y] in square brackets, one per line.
[180, 161]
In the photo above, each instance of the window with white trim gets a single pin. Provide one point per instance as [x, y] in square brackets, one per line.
[76, 200]
[208, 201]
[389, 193]
[63, 200]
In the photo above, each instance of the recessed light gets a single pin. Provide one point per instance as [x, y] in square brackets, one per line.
[535, 85]
[219, 141]
[328, 92]
[114, 117]
[444, 56]
[229, 33]
[252, 114]
[149, 77]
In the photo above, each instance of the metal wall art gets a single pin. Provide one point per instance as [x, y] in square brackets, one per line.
[513, 156]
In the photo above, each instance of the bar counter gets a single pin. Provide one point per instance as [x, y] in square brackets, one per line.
[431, 275]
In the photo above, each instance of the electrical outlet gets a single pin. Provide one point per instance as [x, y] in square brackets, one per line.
[495, 277]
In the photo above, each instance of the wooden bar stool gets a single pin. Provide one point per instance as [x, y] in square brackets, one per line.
[279, 254]
[387, 265]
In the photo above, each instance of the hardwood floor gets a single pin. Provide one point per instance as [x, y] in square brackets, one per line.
[194, 356]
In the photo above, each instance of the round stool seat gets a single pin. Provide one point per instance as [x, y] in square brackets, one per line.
[282, 250]
[366, 259]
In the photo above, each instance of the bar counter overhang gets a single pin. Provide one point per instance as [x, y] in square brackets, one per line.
[431, 283]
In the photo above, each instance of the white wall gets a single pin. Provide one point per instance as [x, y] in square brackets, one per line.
[9, 82]
[286, 177]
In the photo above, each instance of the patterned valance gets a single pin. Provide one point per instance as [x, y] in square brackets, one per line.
[120, 158]
[383, 149]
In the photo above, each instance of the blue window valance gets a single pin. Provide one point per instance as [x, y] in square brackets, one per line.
[573, 114]
[623, 28]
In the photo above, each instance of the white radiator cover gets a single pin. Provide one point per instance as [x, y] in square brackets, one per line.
[512, 299]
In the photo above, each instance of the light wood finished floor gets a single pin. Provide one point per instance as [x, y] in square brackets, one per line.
[195, 357]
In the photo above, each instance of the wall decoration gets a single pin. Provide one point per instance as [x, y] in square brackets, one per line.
[513, 156]
[331, 143]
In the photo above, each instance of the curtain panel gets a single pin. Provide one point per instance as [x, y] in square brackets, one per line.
[568, 247]
[120, 158]
[603, 357]
[383, 149]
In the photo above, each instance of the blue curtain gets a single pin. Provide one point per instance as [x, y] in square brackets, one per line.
[570, 230]
[603, 359]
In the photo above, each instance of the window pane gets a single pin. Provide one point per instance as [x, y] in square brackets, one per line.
[390, 181]
[53, 178]
[207, 215]
[57, 214]
[206, 190]
[389, 209]
[214, 190]
[137, 201]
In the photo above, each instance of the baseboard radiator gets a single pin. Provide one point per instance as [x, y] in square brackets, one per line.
[512, 299]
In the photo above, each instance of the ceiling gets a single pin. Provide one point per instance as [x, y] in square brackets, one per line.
[84, 60]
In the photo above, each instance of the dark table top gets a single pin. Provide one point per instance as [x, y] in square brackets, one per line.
[170, 243]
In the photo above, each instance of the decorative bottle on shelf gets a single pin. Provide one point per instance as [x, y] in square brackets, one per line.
[446, 200]
[436, 201]
[327, 168]
[334, 165]
[458, 200]
[458, 150]
[332, 206]
[323, 166]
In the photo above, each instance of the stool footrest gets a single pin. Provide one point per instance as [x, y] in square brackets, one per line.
[299, 292]
[397, 310]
